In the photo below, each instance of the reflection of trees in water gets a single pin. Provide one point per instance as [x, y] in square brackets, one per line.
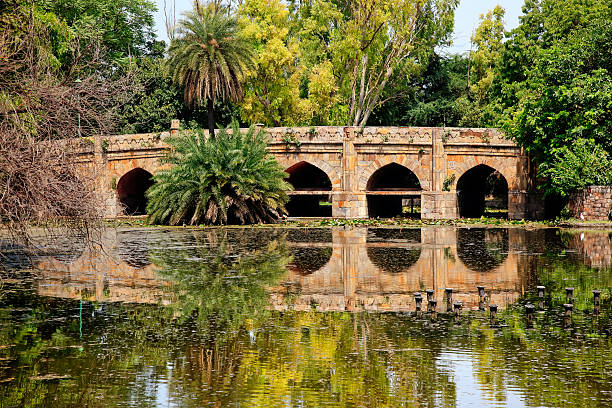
[308, 260]
[393, 260]
[220, 286]
[300, 358]
[482, 249]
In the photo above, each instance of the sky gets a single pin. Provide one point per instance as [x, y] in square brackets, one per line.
[466, 18]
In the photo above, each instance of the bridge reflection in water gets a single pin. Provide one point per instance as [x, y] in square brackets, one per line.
[336, 269]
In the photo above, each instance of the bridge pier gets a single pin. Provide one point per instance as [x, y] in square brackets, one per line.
[349, 205]
[439, 205]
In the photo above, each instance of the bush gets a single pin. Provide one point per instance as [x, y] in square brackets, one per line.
[582, 164]
[227, 179]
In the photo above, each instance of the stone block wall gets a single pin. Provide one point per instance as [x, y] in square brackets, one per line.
[592, 203]
[439, 205]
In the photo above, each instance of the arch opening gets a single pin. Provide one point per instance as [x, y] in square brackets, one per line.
[394, 190]
[482, 190]
[311, 197]
[131, 190]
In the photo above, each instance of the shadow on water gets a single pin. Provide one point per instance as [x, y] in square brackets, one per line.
[311, 249]
[393, 259]
[482, 249]
[213, 340]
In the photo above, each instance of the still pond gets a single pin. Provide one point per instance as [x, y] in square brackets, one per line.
[263, 317]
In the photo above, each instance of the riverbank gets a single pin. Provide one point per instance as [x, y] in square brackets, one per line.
[140, 221]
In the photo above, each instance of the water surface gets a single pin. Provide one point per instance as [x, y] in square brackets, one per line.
[308, 318]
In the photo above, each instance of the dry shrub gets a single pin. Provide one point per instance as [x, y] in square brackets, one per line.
[42, 183]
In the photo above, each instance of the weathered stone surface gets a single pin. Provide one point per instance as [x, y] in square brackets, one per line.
[350, 156]
[592, 203]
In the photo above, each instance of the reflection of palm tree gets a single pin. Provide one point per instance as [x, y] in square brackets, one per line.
[220, 288]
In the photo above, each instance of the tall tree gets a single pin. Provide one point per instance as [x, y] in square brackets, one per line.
[554, 77]
[272, 95]
[383, 41]
[487, 41]
[209, 58]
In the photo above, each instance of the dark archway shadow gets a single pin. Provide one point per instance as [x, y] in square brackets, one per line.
[389, 188]
[385, 251]
[307, 260]
[309, 198]
[482, 191]
[131, 190]
[482, 249]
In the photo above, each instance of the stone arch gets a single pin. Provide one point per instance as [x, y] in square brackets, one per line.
[390, 188]
[412, 164]
[304, 176]
[475, 185]
[131, 189]
[312, 188]
[505, 166]
[401, 175]
[332, 173]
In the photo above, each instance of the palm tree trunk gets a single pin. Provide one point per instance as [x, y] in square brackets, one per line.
[211, 118]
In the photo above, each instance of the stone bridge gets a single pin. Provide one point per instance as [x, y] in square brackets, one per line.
[352, 172]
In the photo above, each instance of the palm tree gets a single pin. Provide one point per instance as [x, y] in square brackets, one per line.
[227, 179]
[209, 58]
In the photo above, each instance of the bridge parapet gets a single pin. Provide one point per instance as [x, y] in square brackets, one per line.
[142, 141]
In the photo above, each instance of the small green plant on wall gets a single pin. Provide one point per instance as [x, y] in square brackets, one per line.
[290, 140]
[312, 131]
[421, 150]
[486, 137]
[445, 136]
[105, 144]
[114, 183]
[448, 182]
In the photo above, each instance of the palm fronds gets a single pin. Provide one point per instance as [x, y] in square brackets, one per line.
[229, 179]
[209, 58]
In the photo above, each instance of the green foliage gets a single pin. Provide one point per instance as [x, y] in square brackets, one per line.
[272, 92]
[209, 58]
[554, 86]
[436, 97]
[327, 62]
[290, 140]
[448, 182]
[227, 179]
[574, 167]
[157, 100]
[124, 26]
[488, 42]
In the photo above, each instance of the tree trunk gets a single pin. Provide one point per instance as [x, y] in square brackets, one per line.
[211, 118]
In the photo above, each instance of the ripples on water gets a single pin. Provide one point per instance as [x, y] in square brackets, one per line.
[307, 318]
